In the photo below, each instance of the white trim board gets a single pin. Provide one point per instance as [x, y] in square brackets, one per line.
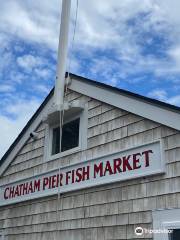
[130, 104]
[91, 176]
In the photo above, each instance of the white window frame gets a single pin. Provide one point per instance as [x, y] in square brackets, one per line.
[165, 219]
[83, 115]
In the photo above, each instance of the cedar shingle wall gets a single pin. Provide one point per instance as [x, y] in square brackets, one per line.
[105, 212]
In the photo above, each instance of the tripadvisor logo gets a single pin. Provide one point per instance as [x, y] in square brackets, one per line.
[139, 231]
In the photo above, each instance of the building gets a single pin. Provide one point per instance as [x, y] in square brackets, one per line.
[118, 171]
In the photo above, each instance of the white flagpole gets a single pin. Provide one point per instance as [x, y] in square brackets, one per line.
[61, 70]
[62, 53]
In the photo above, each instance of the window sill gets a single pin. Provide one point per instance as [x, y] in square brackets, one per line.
[65, 153]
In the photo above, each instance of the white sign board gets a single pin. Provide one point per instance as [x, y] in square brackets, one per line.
[137, 162]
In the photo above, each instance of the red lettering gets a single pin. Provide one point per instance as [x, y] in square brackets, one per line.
[37, 185]
[79, 175]
[6, 195]
[67, 177]
[85, 173]
[98, 169]
[30, 189]
[25, 188]
[54, 179]
[57, 182]
[16, 193]
[117, 164]
[136, 161]
[126, 164]
[20, 189]
[50, 182]
[108, 168]
[11, 194]
[45, 182]
[61, 178]
[146, 154]
[73, 176]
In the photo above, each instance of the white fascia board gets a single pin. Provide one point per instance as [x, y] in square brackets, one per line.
[128, 103]
[25, 137]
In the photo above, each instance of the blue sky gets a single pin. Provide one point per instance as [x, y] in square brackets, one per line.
[131, 44]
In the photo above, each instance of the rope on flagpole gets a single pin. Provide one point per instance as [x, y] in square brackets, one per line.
[73, 40]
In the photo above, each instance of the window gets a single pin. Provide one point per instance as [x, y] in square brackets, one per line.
[70, 136]
[175, 235]
[168, 219]
[74, 132]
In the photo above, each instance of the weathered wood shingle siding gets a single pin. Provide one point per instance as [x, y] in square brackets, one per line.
[111, 211]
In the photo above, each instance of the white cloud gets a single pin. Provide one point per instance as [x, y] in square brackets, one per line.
[42, 88]
[159, 94]
[31, 20]
[17, 77]
[5, 61]
[28, 62]
[103, 25]
[35, 68]
[175, 100]
[5, 88]
[174, 53]
[43, 72]
[22, 110]
[162, 95]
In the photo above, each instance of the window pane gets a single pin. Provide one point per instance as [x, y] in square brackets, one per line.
[175, 235]
[70, 135]
[56, 140]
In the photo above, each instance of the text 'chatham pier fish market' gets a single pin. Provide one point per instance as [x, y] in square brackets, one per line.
[76, 175]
